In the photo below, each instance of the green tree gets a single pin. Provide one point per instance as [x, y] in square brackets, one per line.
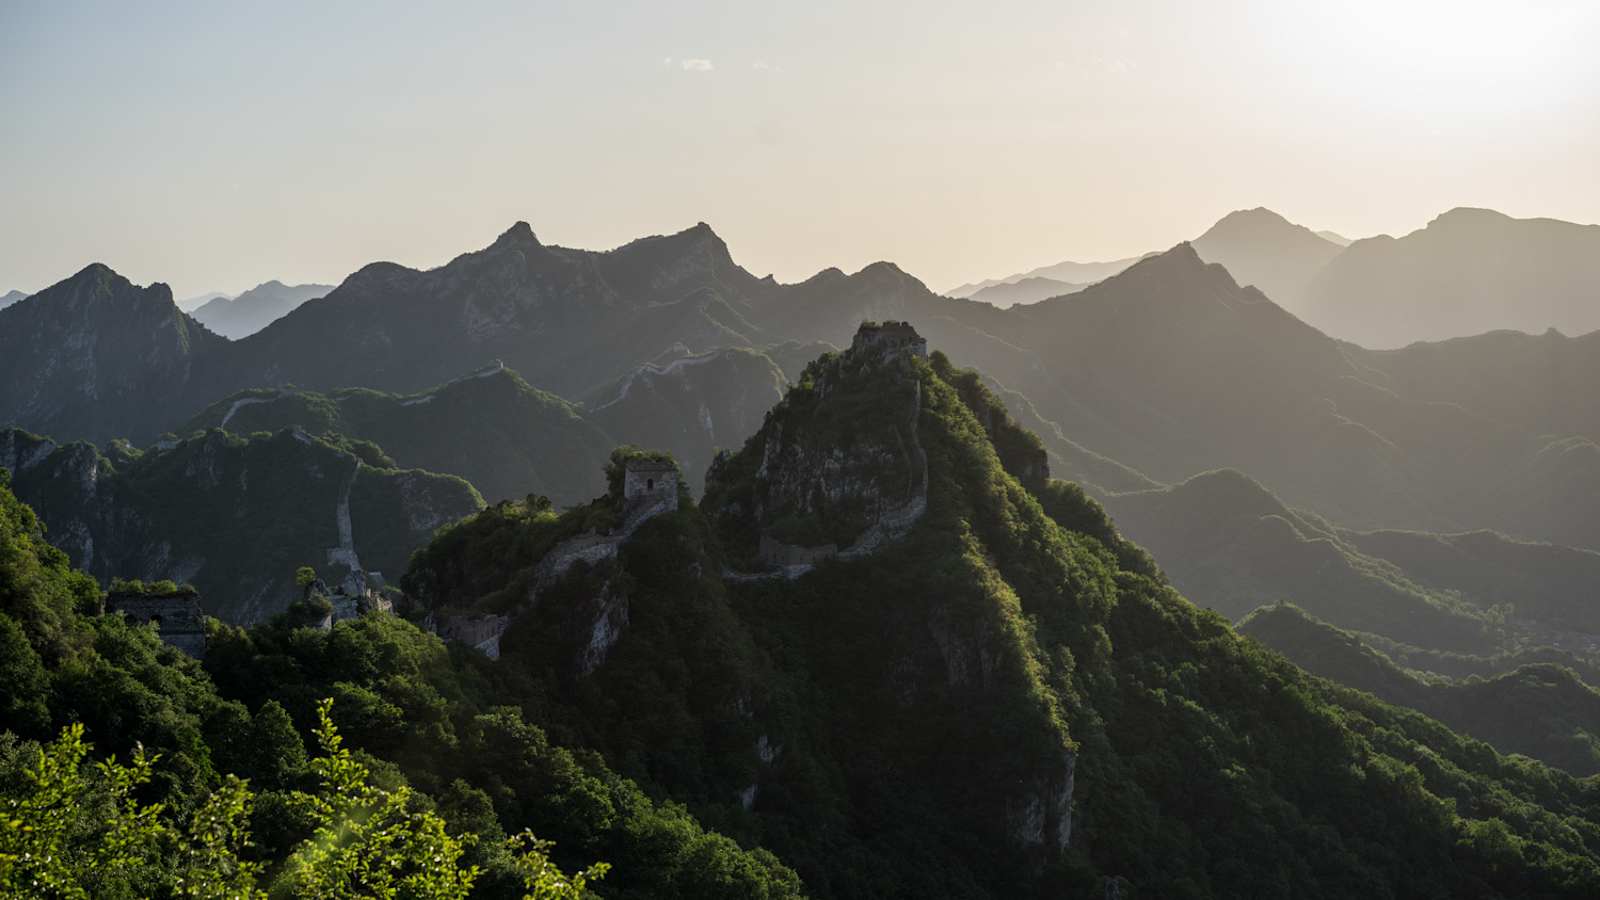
[278, 753]
[76, 831]
[369, 841]
[542, 878]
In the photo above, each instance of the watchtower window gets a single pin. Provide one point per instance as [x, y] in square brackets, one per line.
[649, 484]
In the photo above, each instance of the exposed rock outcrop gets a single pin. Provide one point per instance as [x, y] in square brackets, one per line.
[224, 512]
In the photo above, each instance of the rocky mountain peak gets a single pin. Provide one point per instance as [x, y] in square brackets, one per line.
[1259, 217]
[1469, 217]
[884, 273]
[519, 236]
[701, 239]
[1175, 265]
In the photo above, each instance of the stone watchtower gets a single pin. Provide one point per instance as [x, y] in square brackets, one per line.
[649, 487]
[886, 340]
[176, 615]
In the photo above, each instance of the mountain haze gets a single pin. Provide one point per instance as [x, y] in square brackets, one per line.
[1263, 249]
[1468, 271]
[1069, 272]
[1543, 711]
[251, 311]
[1026, 290]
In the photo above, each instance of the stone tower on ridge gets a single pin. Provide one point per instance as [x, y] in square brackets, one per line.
[886, 340]
[649, 487]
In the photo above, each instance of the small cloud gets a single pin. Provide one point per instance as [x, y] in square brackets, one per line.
[761, 65]
[697, 65]
[1113, 65]
[666, 61]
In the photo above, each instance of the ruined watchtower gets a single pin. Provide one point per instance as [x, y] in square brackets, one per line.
[649, 487]
[888, 339]
[176, 614]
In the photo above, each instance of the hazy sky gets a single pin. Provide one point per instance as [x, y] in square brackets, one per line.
[215, 145]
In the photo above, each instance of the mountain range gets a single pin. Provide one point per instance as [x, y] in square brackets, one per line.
[251, 311]
[1467, 272]
[1168, 369]
[1232, 546]
[1263, 249]
[882, 583]
[1024, 290]
[1069, 272]
[10, 297]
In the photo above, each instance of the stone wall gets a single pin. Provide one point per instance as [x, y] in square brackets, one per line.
[773, 552]
[178, 617]
[482, 633]
[590, 548]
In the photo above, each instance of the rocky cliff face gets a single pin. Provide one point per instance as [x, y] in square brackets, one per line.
[95, 356]
[835, 464]
[232, 516]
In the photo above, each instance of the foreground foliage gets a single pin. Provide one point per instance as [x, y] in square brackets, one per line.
[468, 774]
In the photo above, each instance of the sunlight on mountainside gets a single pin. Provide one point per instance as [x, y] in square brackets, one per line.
[834, 450]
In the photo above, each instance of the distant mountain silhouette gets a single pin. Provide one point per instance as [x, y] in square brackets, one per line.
[1172, 368]
[1467, 272]
[1028, 290]
[1070, 272]
[1335, 237]
[1258, 246]
[1261, 248]
[190, 304]
[10, 297]
[252, 310]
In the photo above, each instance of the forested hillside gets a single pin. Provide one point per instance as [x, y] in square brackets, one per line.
[233, 515]
[442, 769]
[1101, 721]
[1542, 710]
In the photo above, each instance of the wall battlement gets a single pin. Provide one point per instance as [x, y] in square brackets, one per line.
[177, 616]
[887, 340]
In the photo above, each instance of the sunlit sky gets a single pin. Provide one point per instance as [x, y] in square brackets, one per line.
[213, 146]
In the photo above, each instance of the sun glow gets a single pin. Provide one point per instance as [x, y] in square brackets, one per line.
[1451, 55]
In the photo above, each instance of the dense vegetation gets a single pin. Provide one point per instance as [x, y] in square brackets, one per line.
[233, 515]
[941, 717]
[429, 741]
[1540, 709]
